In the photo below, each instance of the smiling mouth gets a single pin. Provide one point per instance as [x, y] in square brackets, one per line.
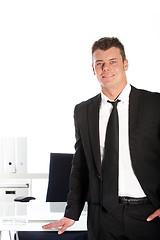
[108, 76]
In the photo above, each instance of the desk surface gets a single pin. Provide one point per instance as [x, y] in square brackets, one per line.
[33, 215]
[7, 176]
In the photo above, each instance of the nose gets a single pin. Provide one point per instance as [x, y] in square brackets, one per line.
[105, 67]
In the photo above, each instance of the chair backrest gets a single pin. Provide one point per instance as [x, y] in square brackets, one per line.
[59, 174]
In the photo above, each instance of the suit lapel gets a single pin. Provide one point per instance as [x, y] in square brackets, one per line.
[134, 104]
[93, 123]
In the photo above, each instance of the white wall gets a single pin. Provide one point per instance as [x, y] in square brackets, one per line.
[45, 64]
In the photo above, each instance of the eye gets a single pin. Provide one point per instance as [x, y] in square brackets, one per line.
[99, 64]
[113, 61]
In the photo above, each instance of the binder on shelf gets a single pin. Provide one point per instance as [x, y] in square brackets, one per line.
[13, 155]
[1, 156]
[21, 155]
[9, 155]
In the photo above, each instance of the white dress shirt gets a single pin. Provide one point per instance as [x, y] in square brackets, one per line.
[128, 183]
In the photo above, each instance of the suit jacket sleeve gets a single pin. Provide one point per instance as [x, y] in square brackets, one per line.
[78, 178]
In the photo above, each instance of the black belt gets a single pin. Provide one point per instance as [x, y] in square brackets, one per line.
[133, 201]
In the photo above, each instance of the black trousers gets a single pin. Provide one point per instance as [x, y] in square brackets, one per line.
[128, 222]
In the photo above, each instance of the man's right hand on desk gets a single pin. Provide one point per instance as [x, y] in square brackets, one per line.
[64, 223]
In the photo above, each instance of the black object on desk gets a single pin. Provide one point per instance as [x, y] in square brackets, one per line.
[24, 199]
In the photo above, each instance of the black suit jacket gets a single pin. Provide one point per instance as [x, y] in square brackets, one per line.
[144, 143]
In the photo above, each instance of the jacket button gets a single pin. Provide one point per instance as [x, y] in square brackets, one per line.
[98, 176]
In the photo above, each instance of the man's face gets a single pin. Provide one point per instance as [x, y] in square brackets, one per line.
[109, 68]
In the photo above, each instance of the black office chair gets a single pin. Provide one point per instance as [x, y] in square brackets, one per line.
[59, 173]
[58, 187]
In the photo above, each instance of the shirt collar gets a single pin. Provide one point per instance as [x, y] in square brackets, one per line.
[124, 96]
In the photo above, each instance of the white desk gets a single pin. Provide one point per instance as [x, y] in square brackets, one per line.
[33, 215]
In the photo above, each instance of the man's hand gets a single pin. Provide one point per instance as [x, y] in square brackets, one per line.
[64, 223]
[154, 215]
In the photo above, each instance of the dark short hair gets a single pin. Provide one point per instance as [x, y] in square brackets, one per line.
[106, 43]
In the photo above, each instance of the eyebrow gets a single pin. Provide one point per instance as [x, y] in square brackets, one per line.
[112, 59]
[99, 61]
[108, 60]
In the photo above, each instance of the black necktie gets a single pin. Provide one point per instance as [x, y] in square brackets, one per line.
[110, 161]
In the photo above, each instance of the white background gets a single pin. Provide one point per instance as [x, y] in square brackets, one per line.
[45, 64]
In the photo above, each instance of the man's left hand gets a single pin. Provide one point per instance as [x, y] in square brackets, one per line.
[154, 215]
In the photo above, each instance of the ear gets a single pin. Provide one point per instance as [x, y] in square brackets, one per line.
[93, 69]
[125, 64]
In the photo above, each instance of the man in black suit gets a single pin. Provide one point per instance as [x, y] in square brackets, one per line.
[136, 215]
